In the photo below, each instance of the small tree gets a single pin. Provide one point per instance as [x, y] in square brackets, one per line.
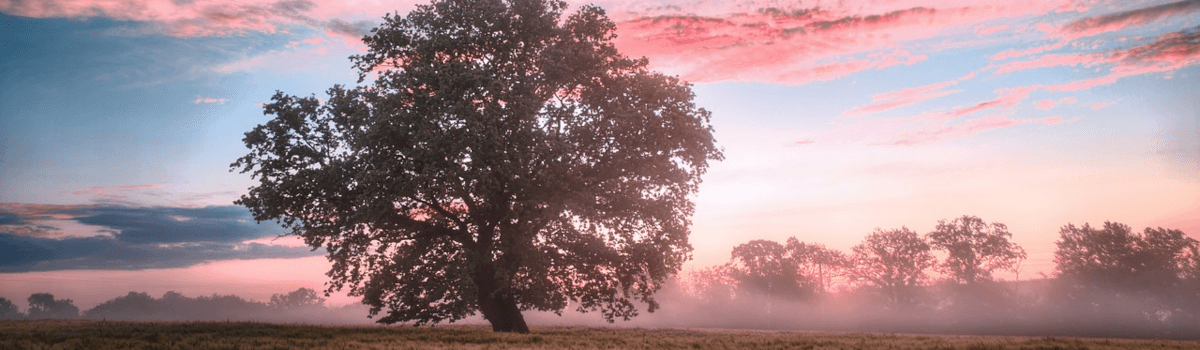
[43, 305]
[503, 159]
[975, 249]
[893, 260]
[298, 299]
[9, 311]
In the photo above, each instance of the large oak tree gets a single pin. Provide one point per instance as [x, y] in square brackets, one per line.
[501, 158]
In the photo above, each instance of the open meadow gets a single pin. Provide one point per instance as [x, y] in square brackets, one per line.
[99, 335]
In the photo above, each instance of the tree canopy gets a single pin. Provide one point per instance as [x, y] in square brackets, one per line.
[298, 299]
[817, 263]
[43, 305]
[500, 159]
[975, 248]
[894, 260]
[8, 310]
[763, 266]
[1115, 256]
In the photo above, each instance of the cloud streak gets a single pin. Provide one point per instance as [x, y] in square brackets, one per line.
[798, 45]
[905, 97]
[139, 238]
[200, 18]
[1116, 21]
[200, 100]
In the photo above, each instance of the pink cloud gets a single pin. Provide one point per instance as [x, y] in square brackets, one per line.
[1008, 98]
[1169, 52]
[989, 30]
[1046, 61]
[1046, 104]
[798, 46]
[1012, 53]
[218, 17]
[200, 100]
[905, 97]
[1120, 20]
[113, 193]
[967, 128]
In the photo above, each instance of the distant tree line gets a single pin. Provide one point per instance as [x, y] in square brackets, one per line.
[301, 305]
[1107, 277]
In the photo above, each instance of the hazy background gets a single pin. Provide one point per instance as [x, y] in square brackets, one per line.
[119, 123]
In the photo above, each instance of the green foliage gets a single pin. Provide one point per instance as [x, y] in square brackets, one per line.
[96, 335]
[975, 248]
[43, 305]
[502, 159]
[893, 260]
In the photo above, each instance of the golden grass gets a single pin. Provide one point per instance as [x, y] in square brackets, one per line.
[101, 335]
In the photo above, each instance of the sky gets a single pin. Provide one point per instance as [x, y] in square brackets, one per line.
[119, 119]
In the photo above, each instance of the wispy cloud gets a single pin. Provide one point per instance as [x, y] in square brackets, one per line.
[967, 128]
[1116, 21]
[1163, 54]
[200, 100]
[114, 194]
[798, 45]
[216, 17]
[905, 97]
[137, 238]
[1047, 104]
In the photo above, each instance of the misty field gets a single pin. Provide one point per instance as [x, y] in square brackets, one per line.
[248, 336]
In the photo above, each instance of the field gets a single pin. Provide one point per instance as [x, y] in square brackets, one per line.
[247, 336]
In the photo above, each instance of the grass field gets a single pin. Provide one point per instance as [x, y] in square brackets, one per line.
[239, 335]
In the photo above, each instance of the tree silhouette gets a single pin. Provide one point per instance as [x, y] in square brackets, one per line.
[975, 248]
[763, 266]
[300, 298]
[817, 263]
[1115, 256]
[502, 159]
[710, 285]
[43, 305]
[9, 311]
[894, 260]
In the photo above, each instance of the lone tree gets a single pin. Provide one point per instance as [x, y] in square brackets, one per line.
[501, 159]
[975, 249]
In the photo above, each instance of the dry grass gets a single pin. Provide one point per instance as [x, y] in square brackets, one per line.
[101, 335]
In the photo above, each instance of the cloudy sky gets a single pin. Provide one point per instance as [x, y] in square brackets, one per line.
[119, 119]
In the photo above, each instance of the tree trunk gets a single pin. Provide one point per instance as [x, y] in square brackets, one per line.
[498, 307]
